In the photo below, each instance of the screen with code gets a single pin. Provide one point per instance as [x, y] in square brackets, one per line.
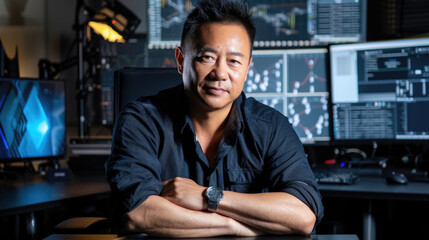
[380, 90]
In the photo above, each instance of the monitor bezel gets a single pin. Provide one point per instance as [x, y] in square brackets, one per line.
[42, 157]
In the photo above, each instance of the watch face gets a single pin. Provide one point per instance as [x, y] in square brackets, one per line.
[214, 194]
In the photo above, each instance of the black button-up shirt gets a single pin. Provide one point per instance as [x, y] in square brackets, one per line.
[154, 140]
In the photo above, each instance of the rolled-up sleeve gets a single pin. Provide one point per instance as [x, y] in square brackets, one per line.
[289, 169]
[133, 170]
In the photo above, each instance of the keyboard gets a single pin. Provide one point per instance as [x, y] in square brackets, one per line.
[335, 176]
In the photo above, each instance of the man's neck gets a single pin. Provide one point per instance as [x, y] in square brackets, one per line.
[211, 122]
[209, 128]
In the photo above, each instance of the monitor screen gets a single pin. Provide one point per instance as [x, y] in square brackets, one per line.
[294, 83]
[115, 56]
[32, 121]
[279, 23]
[380, 90]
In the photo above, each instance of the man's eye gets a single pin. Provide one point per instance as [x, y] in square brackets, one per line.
[235, 62]
[205, 58]
[208, 58]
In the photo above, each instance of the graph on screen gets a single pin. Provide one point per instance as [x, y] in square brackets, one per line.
[279, 23]
[294, 83]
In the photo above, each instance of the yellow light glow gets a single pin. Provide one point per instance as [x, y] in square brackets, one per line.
[106, 31]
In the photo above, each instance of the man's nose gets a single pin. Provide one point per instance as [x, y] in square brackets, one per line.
[220, 70]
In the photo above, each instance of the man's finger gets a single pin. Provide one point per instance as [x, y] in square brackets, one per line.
[166, 182]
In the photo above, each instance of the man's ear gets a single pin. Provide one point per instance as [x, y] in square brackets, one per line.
[179, 59]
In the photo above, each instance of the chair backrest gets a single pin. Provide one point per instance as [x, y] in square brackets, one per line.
[132, 83]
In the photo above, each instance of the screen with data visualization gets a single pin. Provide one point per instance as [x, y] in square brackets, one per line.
[380, 90]
[294, 83]
[279, 23]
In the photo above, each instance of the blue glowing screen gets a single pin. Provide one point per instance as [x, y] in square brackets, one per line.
[32, 118]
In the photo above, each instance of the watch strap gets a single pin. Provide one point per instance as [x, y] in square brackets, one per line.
[212, 206]
[214, 195]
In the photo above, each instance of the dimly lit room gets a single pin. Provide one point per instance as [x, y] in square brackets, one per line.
[219, 119]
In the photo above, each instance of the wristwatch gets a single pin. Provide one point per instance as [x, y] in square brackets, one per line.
[214, 195]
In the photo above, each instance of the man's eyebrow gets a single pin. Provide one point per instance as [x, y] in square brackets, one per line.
[206, 49]
[212, 50]
[238, 54]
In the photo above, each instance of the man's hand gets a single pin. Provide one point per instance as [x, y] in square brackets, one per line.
[185, 193]
[247, 214]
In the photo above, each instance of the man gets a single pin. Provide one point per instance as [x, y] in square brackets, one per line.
[200, 159]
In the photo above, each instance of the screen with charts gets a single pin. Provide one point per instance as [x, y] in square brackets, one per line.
[32, 121]
[380, 90]
[294, 83]
[279, 23]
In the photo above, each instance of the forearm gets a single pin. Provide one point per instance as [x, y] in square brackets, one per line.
[159, 217]
[275, 212]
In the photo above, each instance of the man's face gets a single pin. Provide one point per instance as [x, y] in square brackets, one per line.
[215, 65]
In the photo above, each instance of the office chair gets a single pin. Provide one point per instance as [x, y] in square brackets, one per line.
[132, 83]
[129, 85]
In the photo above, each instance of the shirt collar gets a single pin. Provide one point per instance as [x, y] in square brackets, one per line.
[235, 123]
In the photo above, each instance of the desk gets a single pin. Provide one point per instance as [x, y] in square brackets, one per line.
[26, 195]
[144, 237]
[375, 188]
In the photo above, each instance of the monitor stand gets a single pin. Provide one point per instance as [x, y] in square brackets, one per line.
[51, 164]
[52, 171]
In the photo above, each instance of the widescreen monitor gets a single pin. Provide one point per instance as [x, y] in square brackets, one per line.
[380, 90]
[293, 82]
[32, 119]
[279, 23]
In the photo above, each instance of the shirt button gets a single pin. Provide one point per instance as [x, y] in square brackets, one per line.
[208, 178]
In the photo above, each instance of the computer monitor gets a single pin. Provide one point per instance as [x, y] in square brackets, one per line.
[115, 56]
[380, 90]
[32, 119]
[294, 83]
[279, 23]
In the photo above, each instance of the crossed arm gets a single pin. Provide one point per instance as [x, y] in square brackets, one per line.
[179, 211]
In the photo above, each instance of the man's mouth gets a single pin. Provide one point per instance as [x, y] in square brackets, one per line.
[215, 90]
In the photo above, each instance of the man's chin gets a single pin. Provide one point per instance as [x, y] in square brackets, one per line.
[216, 105]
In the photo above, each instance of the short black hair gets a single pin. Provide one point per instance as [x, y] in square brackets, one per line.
[219, 11]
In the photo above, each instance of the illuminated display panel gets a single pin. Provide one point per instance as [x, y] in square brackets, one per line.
[294, 83]
[279, 23]
[32, 119]
[380, 90]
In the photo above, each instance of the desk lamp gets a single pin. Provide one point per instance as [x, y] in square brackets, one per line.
[114, 22]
